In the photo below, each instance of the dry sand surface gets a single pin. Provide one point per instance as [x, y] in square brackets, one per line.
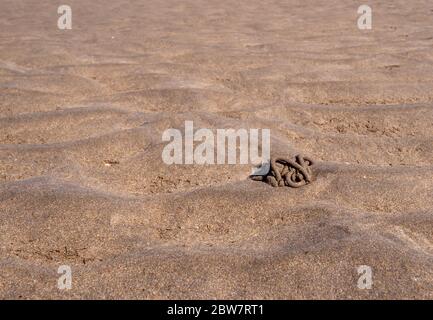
[82, 181]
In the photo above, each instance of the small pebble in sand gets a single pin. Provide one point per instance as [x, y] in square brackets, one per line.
[109, 163]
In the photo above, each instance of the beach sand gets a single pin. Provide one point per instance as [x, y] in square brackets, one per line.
[83, 184]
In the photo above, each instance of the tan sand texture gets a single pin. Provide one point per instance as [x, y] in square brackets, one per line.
[82, 181]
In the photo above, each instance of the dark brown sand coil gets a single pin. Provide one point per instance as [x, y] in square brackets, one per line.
[287, 172]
